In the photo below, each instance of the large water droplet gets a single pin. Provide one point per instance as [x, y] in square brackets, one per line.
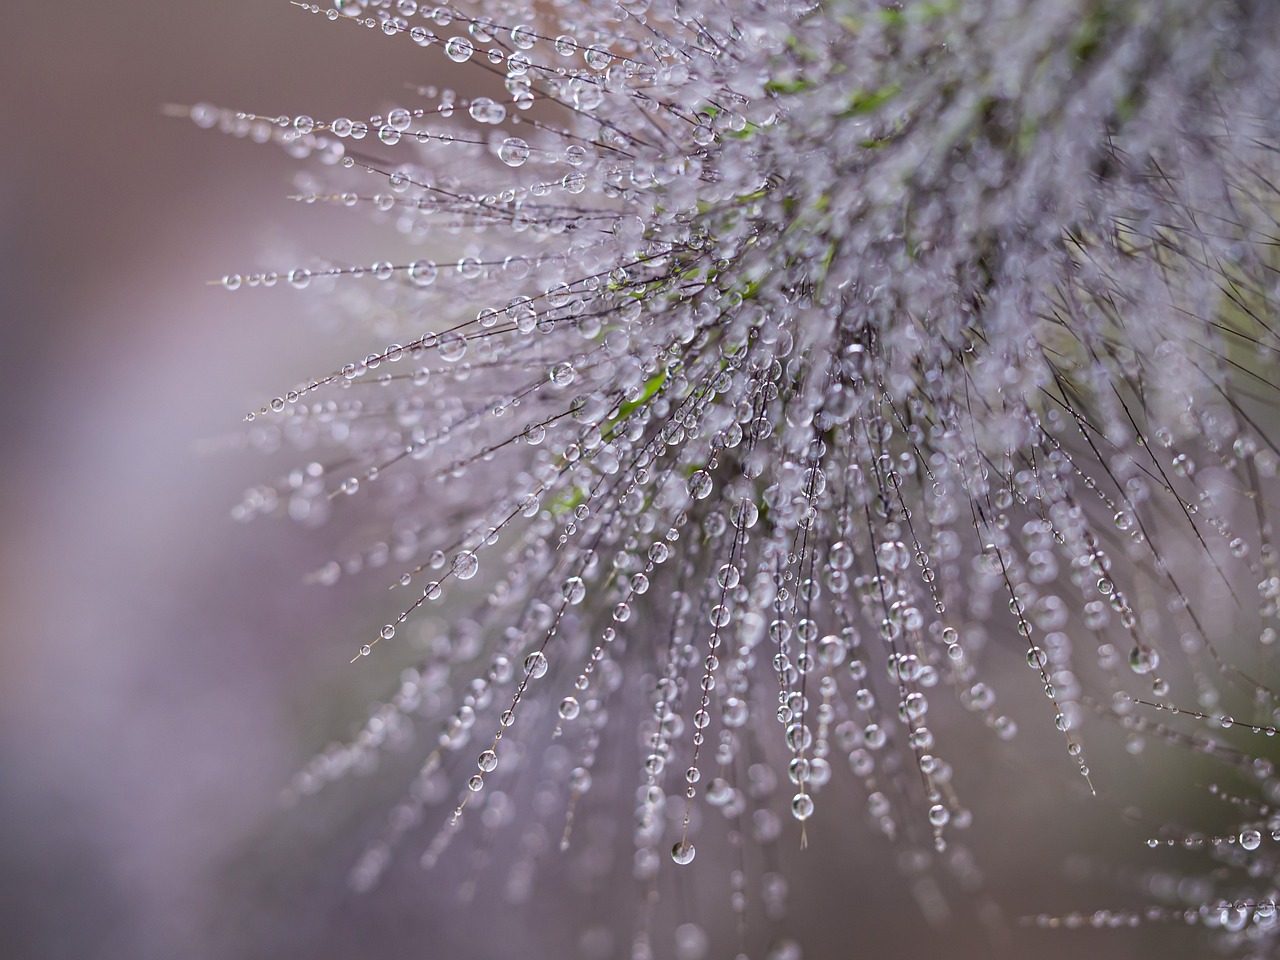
[1143, 659]
[513, 152]
[465, 565]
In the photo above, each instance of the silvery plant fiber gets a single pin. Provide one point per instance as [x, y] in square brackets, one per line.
[759, 380]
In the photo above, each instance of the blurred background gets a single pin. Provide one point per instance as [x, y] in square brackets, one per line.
[164, 670]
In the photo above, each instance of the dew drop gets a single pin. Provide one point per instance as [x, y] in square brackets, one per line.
[422, 273]
[458, 49]
[1143, 660]
[574, 590]
[465, 565]
[802, 806]
[485, 110]
[562, 374]
[535, 665]
[700, 485]
[513, 152]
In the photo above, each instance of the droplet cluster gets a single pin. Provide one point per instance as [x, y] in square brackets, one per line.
[760, 378]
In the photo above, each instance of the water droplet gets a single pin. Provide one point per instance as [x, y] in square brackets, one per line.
[802, 806]
[535, 665]
[458, 49]
[1143, 659]
[465, 565]
[574, 590]
[700, 485]
[484, 110]
[422, 272]
[513, 152]
[598, 57]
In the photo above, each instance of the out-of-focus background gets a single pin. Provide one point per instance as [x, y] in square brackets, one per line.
[150, 645]
[164, 670]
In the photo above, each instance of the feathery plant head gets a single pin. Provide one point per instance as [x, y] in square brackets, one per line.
[767, 371]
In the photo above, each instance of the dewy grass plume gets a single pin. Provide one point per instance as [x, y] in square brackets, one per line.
[767, 375]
